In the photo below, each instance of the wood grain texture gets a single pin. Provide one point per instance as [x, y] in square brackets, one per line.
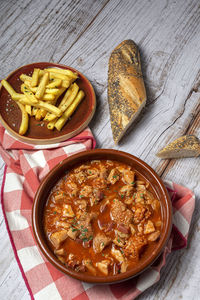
[83, 34]
[42, 30]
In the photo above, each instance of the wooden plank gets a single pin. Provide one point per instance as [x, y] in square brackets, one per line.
[181, 270]
[165, 45]
[180, 277]
[35, 31]
[42, 30]
[171, 73]
[82, 34]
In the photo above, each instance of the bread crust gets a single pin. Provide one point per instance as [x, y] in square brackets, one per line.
[126, 90]
[184, 146]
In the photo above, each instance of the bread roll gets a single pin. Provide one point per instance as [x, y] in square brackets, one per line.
[126, 90]
[184, 146]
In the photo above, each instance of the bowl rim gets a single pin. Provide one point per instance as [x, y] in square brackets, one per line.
[63, 137]
[112, 278]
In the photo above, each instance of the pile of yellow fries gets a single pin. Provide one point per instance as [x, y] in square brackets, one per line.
[40, 94]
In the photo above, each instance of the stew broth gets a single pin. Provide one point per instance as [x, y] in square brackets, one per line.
[102, 218]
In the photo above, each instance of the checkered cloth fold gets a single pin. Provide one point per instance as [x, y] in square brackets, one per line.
[26, 166]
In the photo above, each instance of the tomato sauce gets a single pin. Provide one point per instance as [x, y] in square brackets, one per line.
[102, 218]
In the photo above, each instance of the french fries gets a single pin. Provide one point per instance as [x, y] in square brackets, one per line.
[31, 97]
[35, 77]
[38, 115]
[24, 77]
[48, 96]
[41, 87]
[70, 98]
[9, 88]
[28, 109]
[34, 110]
[66, 83]
[63, 119]
[53, 91]
[54, 84]
[39, 95]
[41, 104]
[66, 101]
[25, 119]
[57, 75]
[62, 71]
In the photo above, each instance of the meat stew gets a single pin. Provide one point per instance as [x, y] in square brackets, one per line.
[102, 218]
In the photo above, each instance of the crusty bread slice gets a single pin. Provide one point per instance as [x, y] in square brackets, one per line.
[126, 90]
[184, 146]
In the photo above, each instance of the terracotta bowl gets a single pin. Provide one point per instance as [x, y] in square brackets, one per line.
[57, 172]
[10, 114]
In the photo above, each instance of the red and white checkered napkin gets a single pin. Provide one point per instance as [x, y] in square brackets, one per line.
[26, 166]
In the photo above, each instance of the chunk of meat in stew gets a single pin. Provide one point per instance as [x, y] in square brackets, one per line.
[58, 237]
[141, 212]
[89, 265]
[100, 241]
[86, 191]
[81, 204]
[92, 173]
[103, 266]
[82, 228]
[81, 177]
[126, 190]
[61, 252]
[120, 257]
[154, 236]
[114, 176]
[71, 188]
[103, 172]
[134, 246]
[120, 238]
[128, 177]
[72, 233]
[97, 196]
[120, 214]
[68, 211]
[149, 227]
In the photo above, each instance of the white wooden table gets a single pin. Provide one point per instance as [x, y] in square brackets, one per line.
[82, 34]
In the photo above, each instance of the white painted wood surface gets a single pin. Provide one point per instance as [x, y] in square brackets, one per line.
[82, 34]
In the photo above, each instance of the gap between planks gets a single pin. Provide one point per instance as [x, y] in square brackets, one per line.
[83, 31]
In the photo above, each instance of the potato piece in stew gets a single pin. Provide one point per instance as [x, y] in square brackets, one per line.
[102, 218]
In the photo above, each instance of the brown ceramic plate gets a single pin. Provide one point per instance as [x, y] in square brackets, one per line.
[10, 115]
[55, 174]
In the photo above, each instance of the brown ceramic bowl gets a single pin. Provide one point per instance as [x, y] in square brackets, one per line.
[55, 174]
[10, 115]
